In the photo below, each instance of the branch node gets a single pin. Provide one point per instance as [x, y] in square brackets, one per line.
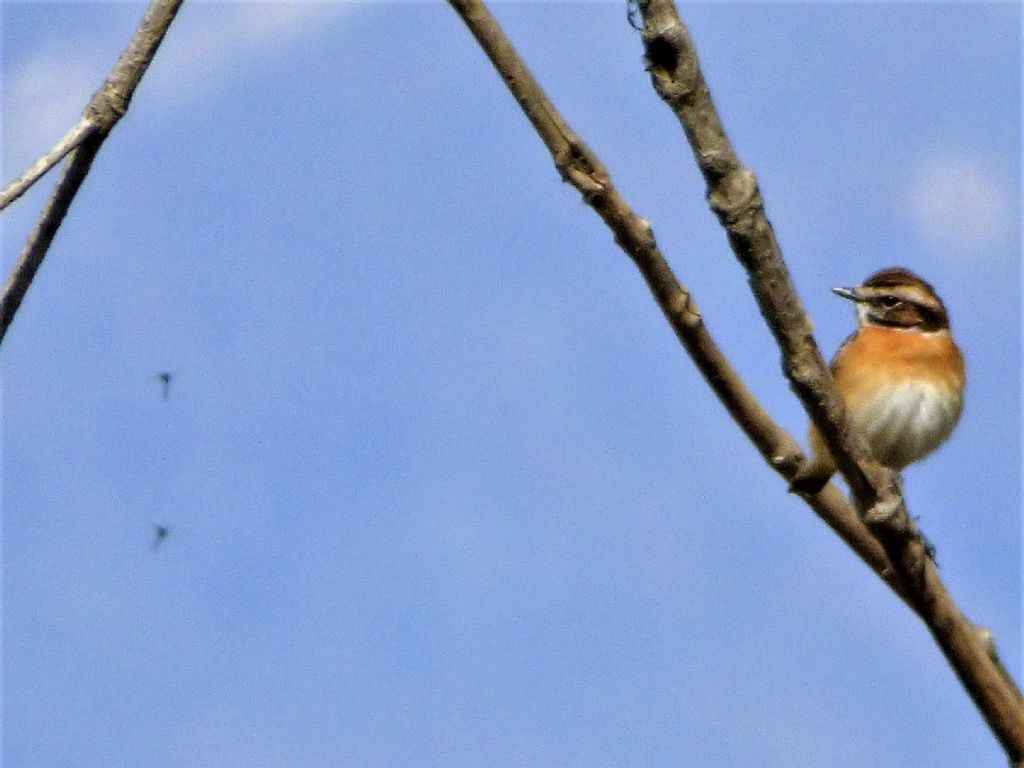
[106, 107]
[683, 306]
[663, 48]
[985, 637]
[736, 195]
[788, 459]
[885, 513]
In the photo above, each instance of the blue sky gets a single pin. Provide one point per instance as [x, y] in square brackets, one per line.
[443, 488]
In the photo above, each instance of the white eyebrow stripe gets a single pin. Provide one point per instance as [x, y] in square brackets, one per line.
[911, 293]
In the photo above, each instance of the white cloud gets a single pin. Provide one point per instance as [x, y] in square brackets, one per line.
[956, 203]
[44, 95]
[212, 34]
[42, 100]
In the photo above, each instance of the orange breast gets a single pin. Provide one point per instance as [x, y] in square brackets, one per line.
[903, 392]
[879, 358]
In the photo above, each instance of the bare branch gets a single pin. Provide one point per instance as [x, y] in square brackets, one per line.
[23, 183]
[110, 103]
[734, 196]
[39, 241]
[102, 113]
[579, 166]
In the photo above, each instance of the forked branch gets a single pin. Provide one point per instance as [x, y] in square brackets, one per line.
[74, 138]
[734, 196]
[894, 550]
[579, 166]
[83, 142]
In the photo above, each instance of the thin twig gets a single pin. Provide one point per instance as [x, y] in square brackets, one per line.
[734, 196]
[39, 241]
[579, 166]
[23, 183]
[101, 114]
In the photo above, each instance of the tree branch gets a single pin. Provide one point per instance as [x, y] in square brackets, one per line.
[101, 114]
[581, 168]
[734, 196]
[38, 243]
[82, 130]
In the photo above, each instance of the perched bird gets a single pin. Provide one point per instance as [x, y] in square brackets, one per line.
[900, 375]
[165, 381]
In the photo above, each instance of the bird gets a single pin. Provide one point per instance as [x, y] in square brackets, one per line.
[165, 381]
[900, 375]
[160, 533]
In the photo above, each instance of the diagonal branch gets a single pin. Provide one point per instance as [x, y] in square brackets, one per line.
[74, 138]
[734, 196]
[101, 114]
[579, 166]
[38, 243]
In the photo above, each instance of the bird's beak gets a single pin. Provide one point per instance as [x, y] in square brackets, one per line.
[847, 293]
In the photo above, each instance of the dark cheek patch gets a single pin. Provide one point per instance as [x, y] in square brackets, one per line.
[909, 315]
[932, 320]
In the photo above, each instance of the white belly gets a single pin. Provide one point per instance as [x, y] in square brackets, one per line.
[908, 422]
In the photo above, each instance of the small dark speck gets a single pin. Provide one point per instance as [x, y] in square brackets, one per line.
[165, 381]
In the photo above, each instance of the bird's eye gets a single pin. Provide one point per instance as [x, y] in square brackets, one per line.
[890, 301]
